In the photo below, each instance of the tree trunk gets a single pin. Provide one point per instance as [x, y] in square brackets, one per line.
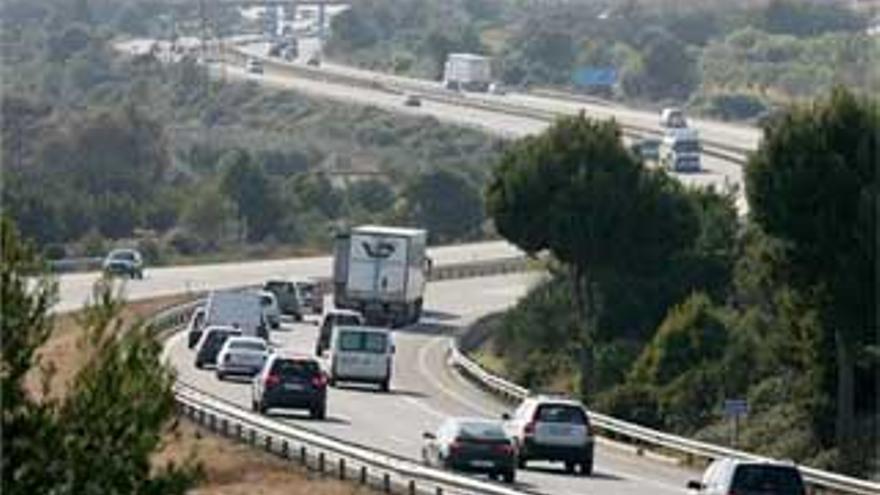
[845, 397]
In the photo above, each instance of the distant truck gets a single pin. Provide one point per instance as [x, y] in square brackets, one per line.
[680, 150]
[241, 310]
[381, 272]
[672, 118]
[466, 71]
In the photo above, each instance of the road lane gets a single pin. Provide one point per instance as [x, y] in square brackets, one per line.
[425, 391]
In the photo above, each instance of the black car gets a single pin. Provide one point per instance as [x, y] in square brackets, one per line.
[472, 445]
[291, 382]
[211, 343]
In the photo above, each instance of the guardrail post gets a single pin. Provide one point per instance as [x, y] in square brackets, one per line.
[342, 468]
[238, 431]
[225, 427]
[268, 443]
[321, 460]
[302, 455]
[412, 487]
[253, 436]
[386, 483]
[363, 475]
[285, 449]
[439, 490]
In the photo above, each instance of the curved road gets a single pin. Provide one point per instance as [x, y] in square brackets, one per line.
[425, 391]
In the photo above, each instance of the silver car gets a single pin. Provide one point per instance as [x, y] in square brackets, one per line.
[127, 262]
[242, 356]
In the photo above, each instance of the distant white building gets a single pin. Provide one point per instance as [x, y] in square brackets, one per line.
[467, 71]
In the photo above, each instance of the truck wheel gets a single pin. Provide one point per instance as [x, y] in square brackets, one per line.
[509, 476]
[587, 467]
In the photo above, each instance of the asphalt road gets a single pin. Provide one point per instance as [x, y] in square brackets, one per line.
[425, 391]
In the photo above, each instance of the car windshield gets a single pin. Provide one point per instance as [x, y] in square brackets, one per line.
[275, 286]
[687, 147]
[248, 345]
[295, 368]
[561, 414]
[481, 430]
[363, 342]
[776, 480]
[122, 255]
[216, 339]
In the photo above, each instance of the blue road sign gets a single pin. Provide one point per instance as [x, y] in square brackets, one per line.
[595, 76]
[736, 407]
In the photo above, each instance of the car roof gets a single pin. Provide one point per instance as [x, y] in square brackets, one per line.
[364, 329]
[293, 355]
[343, 312]
[247, 338]
[762, 462]
[552, 400]
[224, 328]
[123, 250]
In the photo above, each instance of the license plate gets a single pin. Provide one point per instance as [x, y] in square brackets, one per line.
[293, 386]
[482, 464]
[559, 430]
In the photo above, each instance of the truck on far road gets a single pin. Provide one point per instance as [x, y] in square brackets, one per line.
[468, 72]
[381, 272]
[680, 150]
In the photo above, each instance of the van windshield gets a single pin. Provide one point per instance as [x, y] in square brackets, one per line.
[375, 343]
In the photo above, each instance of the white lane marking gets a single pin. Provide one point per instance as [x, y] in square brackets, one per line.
[425, 407]
[423, 368]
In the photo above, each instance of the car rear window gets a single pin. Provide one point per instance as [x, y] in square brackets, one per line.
[295, 368]
[561, 414]
[363, 342]
[123, 255]
[776, 480]
[249, 346]
[307, 290]
[275, 286]
[479, 430]
[347, 320]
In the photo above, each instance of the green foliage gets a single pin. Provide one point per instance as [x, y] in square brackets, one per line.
[445, 203]
[101, 435]
[208, 214]
[691, 335]
[255, 197]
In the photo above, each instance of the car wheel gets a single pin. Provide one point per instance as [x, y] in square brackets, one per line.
[493, 476]
[510, 476]
[297, 317]
[385, 386]
[255, 406]
[587, 467]
[199, 365]
[319, 412]
[332, 381]
[521, 462]
[221, 376]
[262, 408]
[569, 467]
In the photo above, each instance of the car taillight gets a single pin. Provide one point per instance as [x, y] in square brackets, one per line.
[272, 380]
[530, 428]
[454, 446]
[319, 381]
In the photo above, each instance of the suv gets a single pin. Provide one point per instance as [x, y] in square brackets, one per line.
[126, 262]
[553, 429]
[726, 476]
[291, 382]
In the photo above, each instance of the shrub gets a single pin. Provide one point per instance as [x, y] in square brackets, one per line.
[632, 402]
[184, 242]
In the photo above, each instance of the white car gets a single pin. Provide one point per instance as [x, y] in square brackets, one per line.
[725, 476]
[552, 428]
[242, 356]
[271, 311]
[361, 354]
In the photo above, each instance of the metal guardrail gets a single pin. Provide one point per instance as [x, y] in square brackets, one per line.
[75, 264]
[331, 456]
[823, 480]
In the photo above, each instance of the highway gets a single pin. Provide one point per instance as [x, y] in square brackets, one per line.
[425, 391]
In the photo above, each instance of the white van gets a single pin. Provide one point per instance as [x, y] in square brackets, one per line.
[680, 150]
[361, 354]
[242, 310]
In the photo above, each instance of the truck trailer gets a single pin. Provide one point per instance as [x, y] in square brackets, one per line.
[381, 273]
[466, 71]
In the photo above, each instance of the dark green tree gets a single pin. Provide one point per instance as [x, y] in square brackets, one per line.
[246, 183]
[813, 184]
[576, 191]
[99, 437]
[445, 203]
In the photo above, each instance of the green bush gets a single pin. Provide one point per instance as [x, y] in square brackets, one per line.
[183, 242]
[732, 106]
[632, 402]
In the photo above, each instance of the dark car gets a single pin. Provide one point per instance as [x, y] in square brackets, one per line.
[333, 318]
[647, 149]
[125, 262]
[290, 382]
[194, 327]
[472, 445]
[726, 476]
[211, 344]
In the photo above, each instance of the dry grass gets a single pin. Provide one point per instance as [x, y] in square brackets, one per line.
[230, 468]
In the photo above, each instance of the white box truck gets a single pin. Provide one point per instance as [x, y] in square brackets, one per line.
[381, 272]
[680, 150]
[466, 71]
[242, 310]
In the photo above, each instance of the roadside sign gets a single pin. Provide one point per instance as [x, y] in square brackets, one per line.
[595, 76]
[736, 407]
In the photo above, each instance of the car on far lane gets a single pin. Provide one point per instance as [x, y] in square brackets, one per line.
[126, 262]
[552, 428]
[254, 66]
[472, 445]
[290, 381]
[412, 101]
[211, 343]
[727, 476]
[242, 356]
[332, 319]
[647, 149]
